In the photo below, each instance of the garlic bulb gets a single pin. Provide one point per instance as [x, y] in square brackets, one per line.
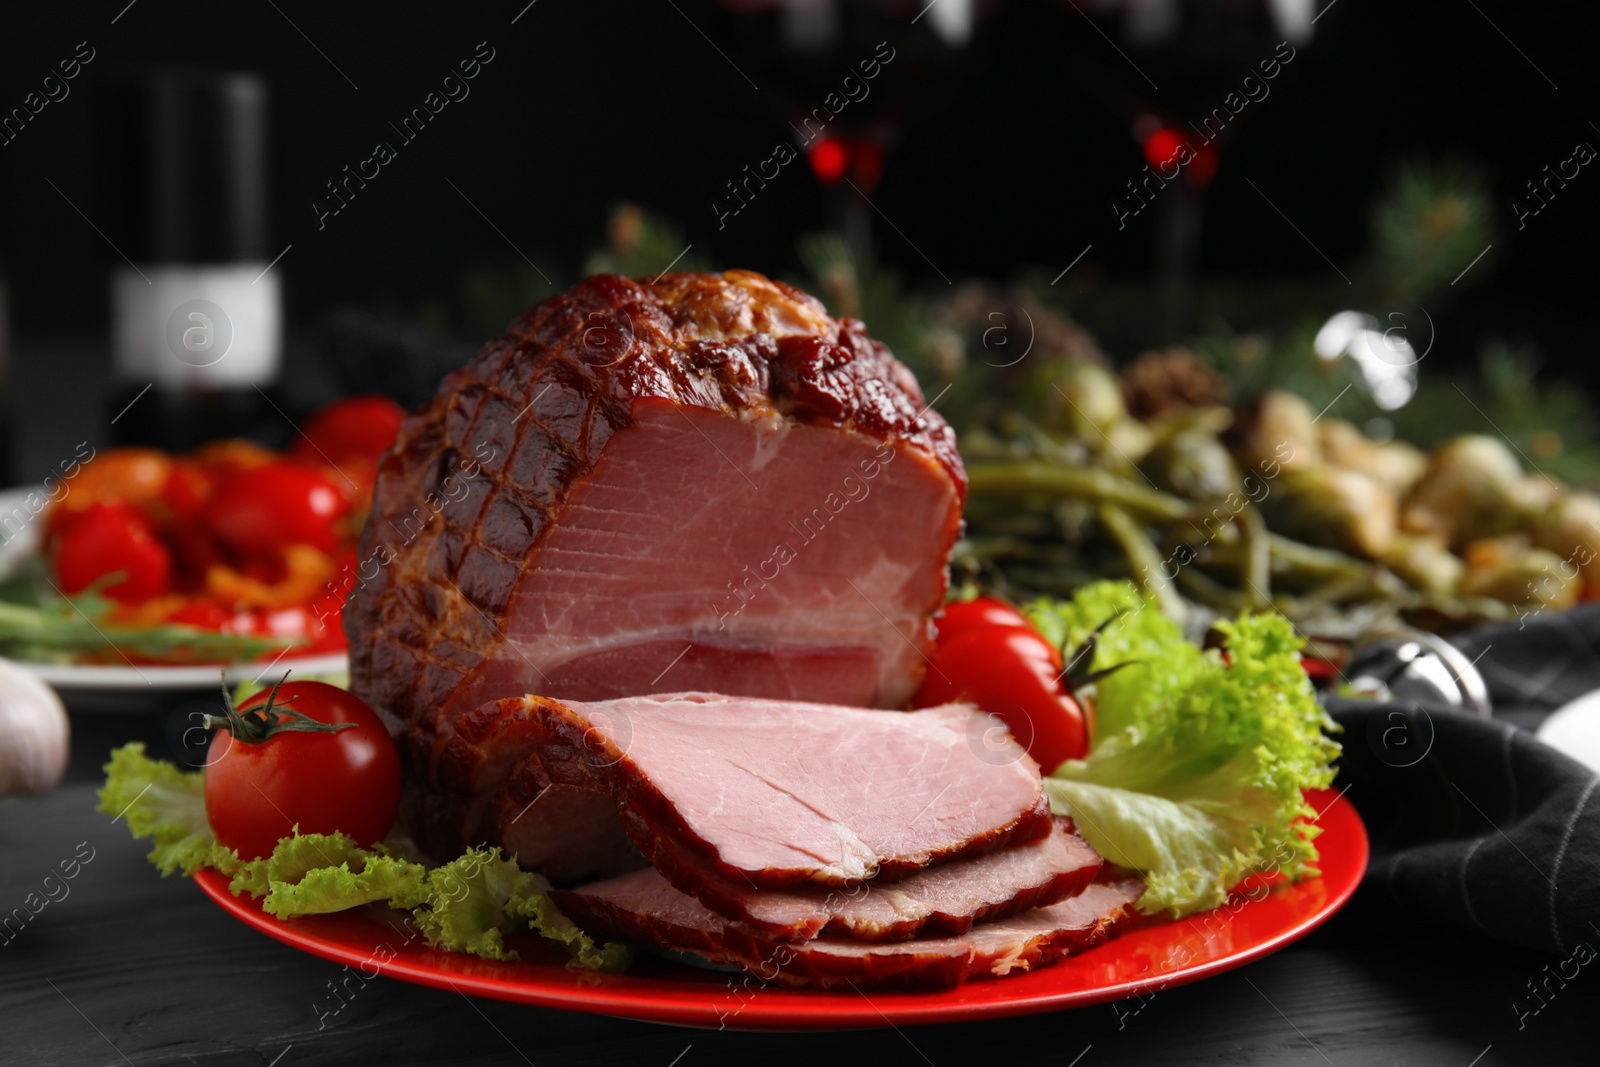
[34, 733]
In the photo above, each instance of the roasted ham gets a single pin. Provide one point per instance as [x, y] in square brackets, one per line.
[704, 486]
[645, 907]
[937, 901]
[693, 481]
[774, 793]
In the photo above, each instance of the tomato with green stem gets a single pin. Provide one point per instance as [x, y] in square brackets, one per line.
[982, 612]
[304, 754]
[993, 657]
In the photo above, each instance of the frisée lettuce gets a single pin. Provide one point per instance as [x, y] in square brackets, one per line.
[468, 905]
[160, 800]
[312, 874]
[476, 900]
[1198, 763]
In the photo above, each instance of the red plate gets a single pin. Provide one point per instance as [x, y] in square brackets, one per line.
[378, 940]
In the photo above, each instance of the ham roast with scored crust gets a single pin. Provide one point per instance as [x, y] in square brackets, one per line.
[638, 592]
[698, 481]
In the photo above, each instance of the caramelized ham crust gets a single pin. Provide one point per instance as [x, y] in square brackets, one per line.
[698, 480]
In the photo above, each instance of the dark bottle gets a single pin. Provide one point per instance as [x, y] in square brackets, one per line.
[196, 316]
[8, 444]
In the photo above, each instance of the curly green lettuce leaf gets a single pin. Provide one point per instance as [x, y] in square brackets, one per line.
[313, 874]
[159, 800]
[475, 901]
[465, 906]
[1190, 857]
[550, 922]
[1166, 664]
[1196, 774]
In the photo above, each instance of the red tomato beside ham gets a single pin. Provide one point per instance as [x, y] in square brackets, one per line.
[977, 614]
[261, 783]
[988, 653]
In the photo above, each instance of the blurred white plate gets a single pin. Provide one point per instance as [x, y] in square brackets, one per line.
[1574, 728]
[101, 677]
[95, 687]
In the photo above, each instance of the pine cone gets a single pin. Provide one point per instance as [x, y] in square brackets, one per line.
[1171, 381]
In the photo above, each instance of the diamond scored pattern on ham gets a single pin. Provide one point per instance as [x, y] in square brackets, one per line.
[695, 481]
[704, 483]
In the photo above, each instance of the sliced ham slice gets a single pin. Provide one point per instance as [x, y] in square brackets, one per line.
[690, 481]
[773, 793]
[645, 907]
[936, 901]
[572, 835]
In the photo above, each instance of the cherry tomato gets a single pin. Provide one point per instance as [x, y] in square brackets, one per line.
[325, 616]
[354, 478]
[273, 506]
[195, 552]
[262, 780]
[107, 538]
[360, 427]
[979, 613]
[183, 496]
[1014, 673]
[317, 626]
[117, 475]
[206, 614]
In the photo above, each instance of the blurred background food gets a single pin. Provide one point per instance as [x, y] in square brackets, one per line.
[1234, 470]
[1218, 296]
[228, 552]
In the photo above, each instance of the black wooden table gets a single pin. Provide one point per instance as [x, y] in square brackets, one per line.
[130, 968]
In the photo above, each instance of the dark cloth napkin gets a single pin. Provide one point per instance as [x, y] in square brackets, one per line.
[1474, 822]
